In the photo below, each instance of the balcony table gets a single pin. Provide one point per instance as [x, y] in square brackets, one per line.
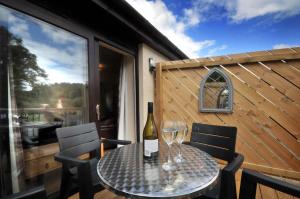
[34, 132]
[125, 172]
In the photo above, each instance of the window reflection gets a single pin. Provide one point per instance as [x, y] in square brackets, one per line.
[223, 99]
[44, 69]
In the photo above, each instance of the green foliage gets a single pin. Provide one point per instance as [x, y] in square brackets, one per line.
[71, 95]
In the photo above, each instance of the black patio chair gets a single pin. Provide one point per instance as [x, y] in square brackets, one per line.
[78, 174]
[34, 193]
[251, 178]
[219, 142]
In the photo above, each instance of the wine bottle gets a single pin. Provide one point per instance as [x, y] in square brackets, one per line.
[150, 137]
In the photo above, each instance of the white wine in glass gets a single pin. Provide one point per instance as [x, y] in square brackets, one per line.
[169, 132]
[181, 134]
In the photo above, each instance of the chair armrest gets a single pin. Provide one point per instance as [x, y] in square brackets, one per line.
[251, 178]
[68, 160]
[187, 143]
[235, 164]
[111, 141]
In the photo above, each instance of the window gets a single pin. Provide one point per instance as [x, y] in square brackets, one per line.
[216, 93]
[43, 86]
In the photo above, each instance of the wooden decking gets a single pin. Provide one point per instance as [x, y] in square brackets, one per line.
[261, 193]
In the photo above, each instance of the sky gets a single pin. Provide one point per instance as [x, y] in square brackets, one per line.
[219, 27]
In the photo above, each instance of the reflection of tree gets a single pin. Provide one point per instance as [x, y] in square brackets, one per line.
[26, 71]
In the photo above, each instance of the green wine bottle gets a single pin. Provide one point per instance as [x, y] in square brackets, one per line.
[150, 137]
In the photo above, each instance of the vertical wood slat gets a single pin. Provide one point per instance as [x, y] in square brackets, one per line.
[159, 97]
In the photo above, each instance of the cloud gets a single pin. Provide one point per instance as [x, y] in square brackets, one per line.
[191, 17]
[245, 9]
[18, 26]
[172, 26]
[58, 36]
[4, 14]
[213, 51]
[69, 65]
[279, 46]
[240, 10]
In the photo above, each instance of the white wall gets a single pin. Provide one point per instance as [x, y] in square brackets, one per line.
[146, 81]
[130, 102]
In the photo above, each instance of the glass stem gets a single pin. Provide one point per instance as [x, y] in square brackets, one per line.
[180, 150]
[169, 154]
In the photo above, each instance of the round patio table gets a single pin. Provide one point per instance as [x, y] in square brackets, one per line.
[125, 172]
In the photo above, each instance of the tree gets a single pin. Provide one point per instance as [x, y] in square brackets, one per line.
[26, 72]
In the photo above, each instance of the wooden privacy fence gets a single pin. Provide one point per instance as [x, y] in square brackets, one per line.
[266, 104]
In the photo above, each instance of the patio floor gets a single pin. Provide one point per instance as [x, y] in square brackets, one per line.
[261, 193]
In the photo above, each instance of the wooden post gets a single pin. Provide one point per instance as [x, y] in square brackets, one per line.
[159, 97]
[102, 150]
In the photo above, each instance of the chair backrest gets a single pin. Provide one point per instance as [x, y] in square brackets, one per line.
[250, 179]
[77, 140]
[218, 141]
[34, 193]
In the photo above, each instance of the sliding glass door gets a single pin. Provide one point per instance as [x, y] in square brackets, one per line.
[43, 86]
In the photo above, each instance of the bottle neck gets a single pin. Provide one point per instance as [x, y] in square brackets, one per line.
[150, 116]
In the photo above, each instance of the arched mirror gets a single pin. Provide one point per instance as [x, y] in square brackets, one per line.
[216, 92]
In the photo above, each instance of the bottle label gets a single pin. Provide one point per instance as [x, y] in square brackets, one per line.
[151, 146]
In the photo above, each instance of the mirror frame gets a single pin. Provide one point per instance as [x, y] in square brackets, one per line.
[202, 93]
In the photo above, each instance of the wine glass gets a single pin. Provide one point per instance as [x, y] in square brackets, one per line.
[169, 131]
[181, 134]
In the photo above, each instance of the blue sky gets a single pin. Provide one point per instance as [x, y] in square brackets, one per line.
[218, 27]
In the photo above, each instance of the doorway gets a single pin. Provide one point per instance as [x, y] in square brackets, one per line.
[116, 107]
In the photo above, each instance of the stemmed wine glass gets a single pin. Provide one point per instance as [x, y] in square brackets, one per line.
[169, 131]
[181, 134]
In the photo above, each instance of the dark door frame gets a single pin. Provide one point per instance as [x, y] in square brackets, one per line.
[136, 76]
